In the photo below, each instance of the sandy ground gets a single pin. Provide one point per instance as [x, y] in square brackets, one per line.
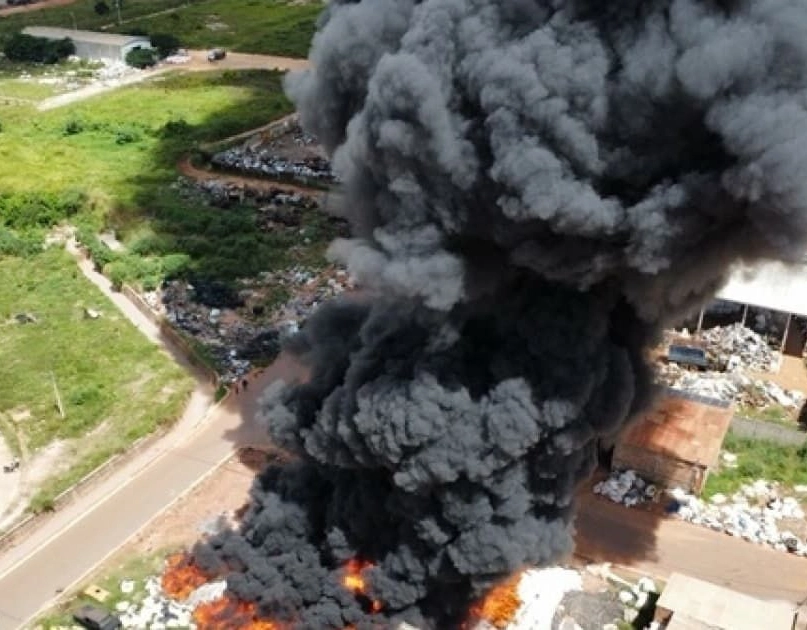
[791, 375]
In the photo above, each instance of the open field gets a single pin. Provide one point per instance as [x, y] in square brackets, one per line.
[113, 384]
[274, 27]
[758, 459]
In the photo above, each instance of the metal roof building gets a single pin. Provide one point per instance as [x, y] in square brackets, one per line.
[676, 442]
[91, 44]
[687, 603]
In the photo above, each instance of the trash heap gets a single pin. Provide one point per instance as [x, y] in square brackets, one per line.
[729, 386]
[632, 597]
[626, 487]
[221, 193]
[740, 348]
[754, 513]
[234, 326]
[157, 611]
[263, 162]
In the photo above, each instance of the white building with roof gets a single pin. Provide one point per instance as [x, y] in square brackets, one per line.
[92, 44]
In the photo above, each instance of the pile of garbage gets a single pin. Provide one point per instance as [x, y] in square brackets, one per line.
[223, 194]
[626, 487]
[754, 513]
[265, 163]
[632, 596]
[740, 348]
[729, 387]
[157, 610]
[233, 324]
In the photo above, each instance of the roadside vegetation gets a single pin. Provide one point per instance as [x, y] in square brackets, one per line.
[758, 459]
[112, 384]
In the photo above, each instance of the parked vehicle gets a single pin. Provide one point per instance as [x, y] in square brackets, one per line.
[94, 618]
[217, 54]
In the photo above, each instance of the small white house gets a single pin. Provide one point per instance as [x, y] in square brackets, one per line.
[91, 44]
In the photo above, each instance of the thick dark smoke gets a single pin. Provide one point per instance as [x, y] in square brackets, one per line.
[535, 187]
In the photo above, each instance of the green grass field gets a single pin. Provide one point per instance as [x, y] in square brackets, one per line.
[114, 385]
[758, 459]
[273, 27]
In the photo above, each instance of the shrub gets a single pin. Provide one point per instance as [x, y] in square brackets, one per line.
[126, 136]
[25, 211]
[175, 129]
[165, 43]
[73, 127]
[21, 47]
[141, 58]
[101, 8]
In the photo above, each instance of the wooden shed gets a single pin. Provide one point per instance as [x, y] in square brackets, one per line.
[677, 442]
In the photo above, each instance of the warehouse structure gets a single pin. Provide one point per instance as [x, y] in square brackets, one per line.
[677, 442]
[91, 44]
[687, 603]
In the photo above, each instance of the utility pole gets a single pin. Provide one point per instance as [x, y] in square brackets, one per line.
[117, 5]
[58, 396]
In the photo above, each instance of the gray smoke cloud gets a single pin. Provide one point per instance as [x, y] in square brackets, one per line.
[535, 188]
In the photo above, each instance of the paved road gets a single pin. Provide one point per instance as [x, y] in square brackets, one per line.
[607, 532]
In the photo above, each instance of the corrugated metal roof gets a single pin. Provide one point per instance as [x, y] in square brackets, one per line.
[94, 37]
[772, 285]
[693, 600]
[677, 426]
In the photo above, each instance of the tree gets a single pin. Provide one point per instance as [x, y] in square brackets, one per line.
[101, 8]
[165, 43]
[21, 47]
[141, 58]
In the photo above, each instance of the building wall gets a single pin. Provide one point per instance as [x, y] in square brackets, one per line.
[92, 50]
[656, 467]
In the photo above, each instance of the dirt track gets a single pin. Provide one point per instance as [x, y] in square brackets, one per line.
[26, 8]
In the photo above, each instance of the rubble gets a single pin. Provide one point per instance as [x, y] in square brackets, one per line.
[729, 387]
[626, 487]
[226, 320]
[738, 347]
[262, 162]
[156, 609]
[752, 513]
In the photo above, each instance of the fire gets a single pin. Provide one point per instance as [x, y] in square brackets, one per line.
[354, 581]
[182, 576]
[228, 613]
[500, 605]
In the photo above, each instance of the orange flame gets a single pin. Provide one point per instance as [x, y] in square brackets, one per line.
[182, 576]
[500, 605]
[228, 613]
[354, 581]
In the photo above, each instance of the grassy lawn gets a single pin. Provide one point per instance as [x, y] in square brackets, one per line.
[136, 569]
[272, 27]
[276, 27]
[758, 459]
[115, 386]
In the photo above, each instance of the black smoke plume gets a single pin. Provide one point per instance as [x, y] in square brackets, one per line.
[536, 187]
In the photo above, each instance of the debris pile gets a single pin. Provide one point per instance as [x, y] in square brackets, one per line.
[224, 194]
[632, 597]
[158, 610]
[264, 162]
[754, 513]
[241, 328]
[729, 386]
[740, 348]
[626, 487]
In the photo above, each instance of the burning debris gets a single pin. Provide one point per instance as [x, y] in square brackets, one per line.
[753, 513]
[740, 348]
[536, 190]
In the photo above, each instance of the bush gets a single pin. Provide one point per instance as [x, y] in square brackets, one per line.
[26, 48]
[101, 8]
[73, 127]
[25, 211]
[165, 43]
[141, 58]
[175, 129]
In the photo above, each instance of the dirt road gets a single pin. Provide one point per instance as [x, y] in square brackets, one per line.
[37, 6]
[607, 532]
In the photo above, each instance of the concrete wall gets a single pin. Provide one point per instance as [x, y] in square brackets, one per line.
[665, 471]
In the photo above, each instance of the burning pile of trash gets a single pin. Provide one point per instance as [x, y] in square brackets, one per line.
[754, 513]
[626, 487]
[729, 386]
[263, 162]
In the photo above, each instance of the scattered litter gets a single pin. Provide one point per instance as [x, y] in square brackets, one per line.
[127, 586]
[751, 513]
